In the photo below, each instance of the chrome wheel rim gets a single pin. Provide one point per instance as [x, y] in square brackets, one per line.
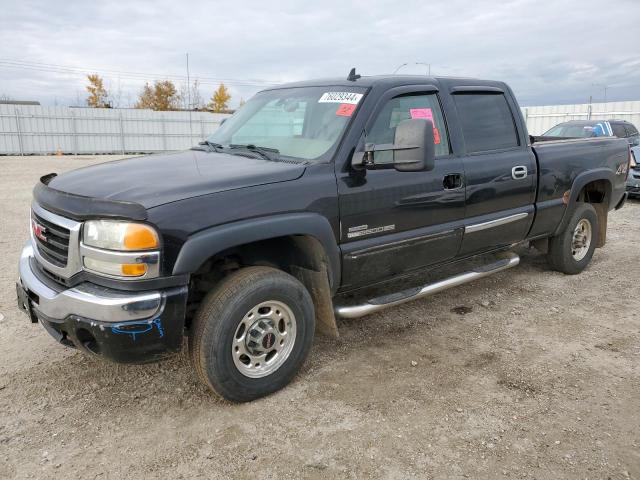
[581, 240]
[264, 339]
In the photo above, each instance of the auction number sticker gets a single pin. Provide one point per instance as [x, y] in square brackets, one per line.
[340, 97]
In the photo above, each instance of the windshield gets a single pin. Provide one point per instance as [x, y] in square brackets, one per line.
[301, 123]
[600, 129]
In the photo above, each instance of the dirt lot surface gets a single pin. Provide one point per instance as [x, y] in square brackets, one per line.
[536, 377]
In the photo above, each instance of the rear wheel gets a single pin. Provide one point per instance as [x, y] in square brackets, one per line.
[571, 251]
[252, 333]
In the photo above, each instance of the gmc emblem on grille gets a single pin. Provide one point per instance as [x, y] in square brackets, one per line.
[38, 230]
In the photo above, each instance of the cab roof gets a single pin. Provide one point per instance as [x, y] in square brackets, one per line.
[390, 81]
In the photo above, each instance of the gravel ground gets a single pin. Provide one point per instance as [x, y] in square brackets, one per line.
[537, 377]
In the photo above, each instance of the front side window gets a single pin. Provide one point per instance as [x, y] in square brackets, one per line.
[406, 107]
[297, 123]
[487, 122]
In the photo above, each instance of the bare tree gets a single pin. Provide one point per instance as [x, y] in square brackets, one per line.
[115, 95]
[191, 94]
[197, 102]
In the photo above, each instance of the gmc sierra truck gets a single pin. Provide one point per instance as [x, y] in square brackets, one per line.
[314, 201]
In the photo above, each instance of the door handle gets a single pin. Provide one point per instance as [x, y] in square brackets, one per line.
[452, 181]
[519, 172]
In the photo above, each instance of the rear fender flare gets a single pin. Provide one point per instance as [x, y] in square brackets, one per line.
[205, 244]
[577, 186]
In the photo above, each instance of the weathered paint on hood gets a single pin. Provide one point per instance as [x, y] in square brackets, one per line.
[154, 180]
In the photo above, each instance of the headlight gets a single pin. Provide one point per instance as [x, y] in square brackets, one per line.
[116, 235]
[120, 249]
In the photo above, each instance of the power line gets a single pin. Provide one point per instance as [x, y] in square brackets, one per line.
[141, 76]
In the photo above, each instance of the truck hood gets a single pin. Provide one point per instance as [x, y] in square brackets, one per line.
[154, 180]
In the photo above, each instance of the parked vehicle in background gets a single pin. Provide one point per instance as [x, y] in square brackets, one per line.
[595, 128]
[310, 202]
[633, 180]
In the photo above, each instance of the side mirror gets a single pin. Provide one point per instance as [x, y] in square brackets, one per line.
[416, 150]
[413, 149]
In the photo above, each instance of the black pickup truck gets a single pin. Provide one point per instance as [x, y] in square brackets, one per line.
[315, 200]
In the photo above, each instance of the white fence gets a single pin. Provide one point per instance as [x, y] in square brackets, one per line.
[541, 119]
[38, 130]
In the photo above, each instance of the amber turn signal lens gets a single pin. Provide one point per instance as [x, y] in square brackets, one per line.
[140, 237]
[133, 269]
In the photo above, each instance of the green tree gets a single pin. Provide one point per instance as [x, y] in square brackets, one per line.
[97, 93]
[220, 99]
[161, 96]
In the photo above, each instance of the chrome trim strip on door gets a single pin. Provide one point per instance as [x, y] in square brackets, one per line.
[494, 223]
[399, 243]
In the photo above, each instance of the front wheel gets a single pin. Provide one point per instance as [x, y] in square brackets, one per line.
[571, 251]
[252, 333]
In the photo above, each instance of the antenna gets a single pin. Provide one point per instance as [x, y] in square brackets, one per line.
[353, 76]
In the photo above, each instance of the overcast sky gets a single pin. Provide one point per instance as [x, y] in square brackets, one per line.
[549, 51]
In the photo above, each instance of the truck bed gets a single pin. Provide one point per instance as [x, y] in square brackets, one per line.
[562, 163]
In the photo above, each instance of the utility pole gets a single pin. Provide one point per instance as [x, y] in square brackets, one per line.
[189, 99]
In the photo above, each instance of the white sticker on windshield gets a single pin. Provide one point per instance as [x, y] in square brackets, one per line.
[340, 97]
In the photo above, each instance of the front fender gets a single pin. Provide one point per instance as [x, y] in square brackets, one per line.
[203, 245]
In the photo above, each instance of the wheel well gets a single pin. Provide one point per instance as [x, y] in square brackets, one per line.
[595, 192]
[598, 194]
[290, 253]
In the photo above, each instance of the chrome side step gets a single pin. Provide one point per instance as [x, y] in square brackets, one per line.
[509, 260]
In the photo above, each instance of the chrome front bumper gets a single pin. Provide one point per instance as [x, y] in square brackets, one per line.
[86, 300]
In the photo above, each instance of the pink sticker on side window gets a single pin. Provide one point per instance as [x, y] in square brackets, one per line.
[425, 113]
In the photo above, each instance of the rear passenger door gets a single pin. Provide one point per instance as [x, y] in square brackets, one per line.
[500, 169]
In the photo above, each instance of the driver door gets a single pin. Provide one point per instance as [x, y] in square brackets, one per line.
[394, 222]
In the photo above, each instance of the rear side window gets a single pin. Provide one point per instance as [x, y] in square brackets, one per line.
[618, 130]
[631, 130]
[487, 122]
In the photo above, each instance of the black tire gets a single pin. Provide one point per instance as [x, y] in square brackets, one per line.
[219, 316]
[560, 256]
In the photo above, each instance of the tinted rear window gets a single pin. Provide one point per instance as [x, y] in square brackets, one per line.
[487, 122]
[618, 130]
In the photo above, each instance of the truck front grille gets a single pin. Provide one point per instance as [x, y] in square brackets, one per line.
[53, 243]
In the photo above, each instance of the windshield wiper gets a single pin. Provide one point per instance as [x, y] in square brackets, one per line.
[216, 147]
[266, 153]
